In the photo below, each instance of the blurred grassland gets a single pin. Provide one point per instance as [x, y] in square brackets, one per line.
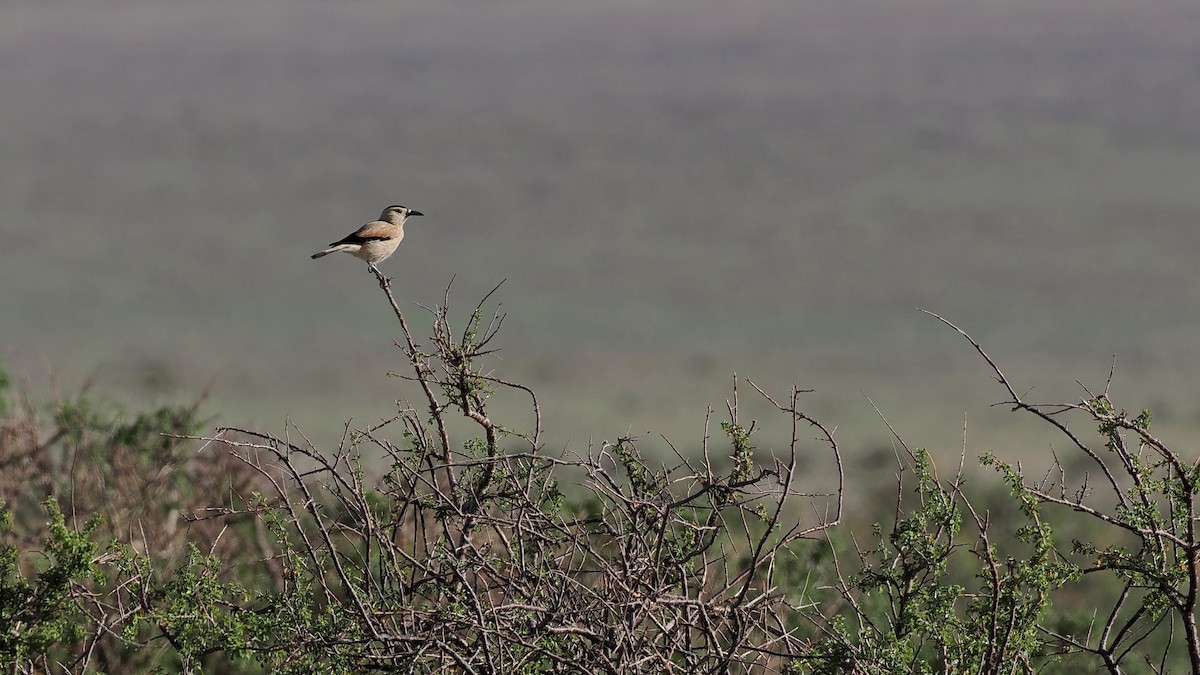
[675, 192]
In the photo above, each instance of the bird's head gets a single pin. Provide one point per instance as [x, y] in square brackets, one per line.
[396, 214]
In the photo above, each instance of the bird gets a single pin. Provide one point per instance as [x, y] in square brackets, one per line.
[376, 240]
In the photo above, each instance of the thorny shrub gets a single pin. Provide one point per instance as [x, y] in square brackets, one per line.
[134, 543]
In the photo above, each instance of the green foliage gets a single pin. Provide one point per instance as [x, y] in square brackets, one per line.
[743, 451]
[930, 598]
[5, 386]
[42, 597]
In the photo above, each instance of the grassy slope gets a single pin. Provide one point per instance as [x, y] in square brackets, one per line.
[674, 194]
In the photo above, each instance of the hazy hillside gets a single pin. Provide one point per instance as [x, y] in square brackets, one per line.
[674, 192]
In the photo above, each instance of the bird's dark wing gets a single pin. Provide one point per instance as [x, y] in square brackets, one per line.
[375, 231]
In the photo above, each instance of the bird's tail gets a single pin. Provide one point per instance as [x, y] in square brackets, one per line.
[335, 247]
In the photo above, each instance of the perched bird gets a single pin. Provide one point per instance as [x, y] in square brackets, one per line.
[376, 240]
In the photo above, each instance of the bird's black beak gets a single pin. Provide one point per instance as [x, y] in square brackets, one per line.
[415, 213]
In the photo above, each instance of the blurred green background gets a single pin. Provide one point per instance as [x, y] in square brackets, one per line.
[675, 191]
